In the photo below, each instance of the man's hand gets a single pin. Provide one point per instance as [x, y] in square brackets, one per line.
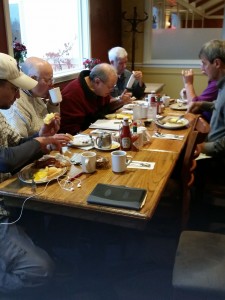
[51, 128]
[55, 142]
[195, 107]
[188, 76]
[138, 76]
[126, 97]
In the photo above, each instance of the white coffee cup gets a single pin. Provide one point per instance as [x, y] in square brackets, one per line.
[88, 161]
[166, 100]
[120, 161]
[55, 95]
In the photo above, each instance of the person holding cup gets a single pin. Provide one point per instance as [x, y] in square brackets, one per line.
[27, 113]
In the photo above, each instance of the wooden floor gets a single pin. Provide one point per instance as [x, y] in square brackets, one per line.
[113, 263]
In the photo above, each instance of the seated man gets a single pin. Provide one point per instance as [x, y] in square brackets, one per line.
[22, 263]
[87, 98]
[212, 55]
[209, 94]
[27, 113]
[118, 58]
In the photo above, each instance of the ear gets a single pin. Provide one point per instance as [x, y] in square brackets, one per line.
[218, 62]
[97, 80]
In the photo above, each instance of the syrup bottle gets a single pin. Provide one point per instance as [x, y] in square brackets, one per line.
[125, 136]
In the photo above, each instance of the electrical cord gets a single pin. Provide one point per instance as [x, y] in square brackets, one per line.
[65, 184]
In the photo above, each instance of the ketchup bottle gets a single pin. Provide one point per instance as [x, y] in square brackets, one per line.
[125, 136]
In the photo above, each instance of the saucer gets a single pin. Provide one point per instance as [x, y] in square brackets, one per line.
[115, 145]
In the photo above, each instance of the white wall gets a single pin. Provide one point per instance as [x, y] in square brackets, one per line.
[181, 43]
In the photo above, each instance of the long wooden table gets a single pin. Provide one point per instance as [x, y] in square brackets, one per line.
[53, 199]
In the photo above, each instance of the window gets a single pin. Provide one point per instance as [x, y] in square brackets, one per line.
[55, 32]
[173, 46]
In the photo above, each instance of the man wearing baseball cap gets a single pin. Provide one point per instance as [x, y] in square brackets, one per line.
[22, 264]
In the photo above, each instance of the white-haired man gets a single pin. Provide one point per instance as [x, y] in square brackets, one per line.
[118, 58]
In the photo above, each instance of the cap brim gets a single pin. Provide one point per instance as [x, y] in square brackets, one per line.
[24, 82]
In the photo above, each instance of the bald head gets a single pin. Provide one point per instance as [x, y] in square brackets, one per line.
[103, 71]
[35, 66]
[40, 70]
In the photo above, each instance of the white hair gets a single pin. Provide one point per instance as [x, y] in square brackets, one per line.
[117, 53]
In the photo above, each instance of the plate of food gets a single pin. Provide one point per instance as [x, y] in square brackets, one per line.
[179, 106]
[80, 140]
[172, 122]
[118, 116]
[40, 175]
[115, 145]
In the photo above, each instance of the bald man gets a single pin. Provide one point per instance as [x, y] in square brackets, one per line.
[27, 113]
[87, 98]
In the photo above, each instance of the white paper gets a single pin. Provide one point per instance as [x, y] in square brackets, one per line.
[168, 136]
[106, 124]
[136, 164]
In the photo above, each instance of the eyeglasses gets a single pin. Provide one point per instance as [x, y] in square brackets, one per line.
[110, 87]
[46, 81]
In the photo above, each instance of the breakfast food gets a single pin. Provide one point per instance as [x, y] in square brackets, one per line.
[70, 136]
[175, 121]
[46, 173]
[48, 118]
[51, 161]
[118, 116]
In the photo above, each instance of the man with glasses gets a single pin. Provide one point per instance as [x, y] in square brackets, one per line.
[27, 113]
[22, 264]
[87, 98]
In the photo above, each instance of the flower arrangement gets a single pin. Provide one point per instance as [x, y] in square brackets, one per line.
[91, 63]
[19, 51]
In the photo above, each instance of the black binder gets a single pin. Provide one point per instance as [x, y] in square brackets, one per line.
[118, 196]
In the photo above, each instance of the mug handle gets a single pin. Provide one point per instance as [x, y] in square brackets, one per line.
[87, 164]
[129, 159]
[98, 141]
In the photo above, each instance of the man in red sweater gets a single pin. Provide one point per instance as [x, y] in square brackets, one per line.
[87, 98]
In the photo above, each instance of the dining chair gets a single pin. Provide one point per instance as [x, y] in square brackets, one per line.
[199, 267]
[184, 175]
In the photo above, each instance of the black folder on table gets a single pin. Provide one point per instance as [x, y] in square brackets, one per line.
[118, 196]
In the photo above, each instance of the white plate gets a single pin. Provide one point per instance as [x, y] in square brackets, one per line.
[26, 173]
[115, 145]
[80, 141]
[166, 124]
[179, 106]
[129, 106]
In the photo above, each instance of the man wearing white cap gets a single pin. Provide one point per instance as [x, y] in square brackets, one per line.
[22, 264]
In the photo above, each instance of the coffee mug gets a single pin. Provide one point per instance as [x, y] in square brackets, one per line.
[55, 95]
[88, 161]
[104, 140]
[166, 100]
[120, 161]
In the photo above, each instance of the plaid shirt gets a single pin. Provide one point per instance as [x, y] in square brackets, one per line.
[8, 138]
